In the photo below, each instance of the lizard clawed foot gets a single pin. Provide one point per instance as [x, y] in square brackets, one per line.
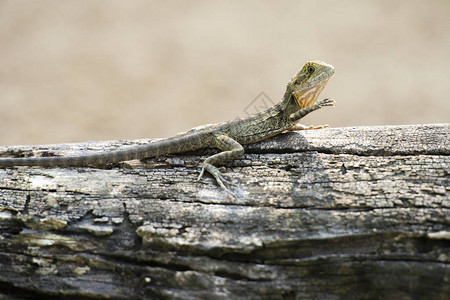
[325, 102]
[310, 127]
[220, 178]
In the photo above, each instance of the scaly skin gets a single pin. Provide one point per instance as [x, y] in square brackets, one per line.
[299, 100]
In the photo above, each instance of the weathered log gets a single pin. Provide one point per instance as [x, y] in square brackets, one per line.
[347, 213]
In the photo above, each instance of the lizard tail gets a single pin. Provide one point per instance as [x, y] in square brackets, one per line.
[172, 145]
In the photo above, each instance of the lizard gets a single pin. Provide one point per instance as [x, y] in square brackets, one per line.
[300, 99]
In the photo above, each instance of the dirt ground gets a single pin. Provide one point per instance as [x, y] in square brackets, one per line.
[74, 71]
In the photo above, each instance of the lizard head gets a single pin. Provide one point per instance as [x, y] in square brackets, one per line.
[309, 82]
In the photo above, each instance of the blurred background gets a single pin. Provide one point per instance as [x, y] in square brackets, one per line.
[74, 71]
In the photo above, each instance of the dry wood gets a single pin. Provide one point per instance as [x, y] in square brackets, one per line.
[359, 212]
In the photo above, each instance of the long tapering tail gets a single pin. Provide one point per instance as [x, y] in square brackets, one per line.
[177, 144]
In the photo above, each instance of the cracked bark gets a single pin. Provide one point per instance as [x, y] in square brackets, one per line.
[359, 212]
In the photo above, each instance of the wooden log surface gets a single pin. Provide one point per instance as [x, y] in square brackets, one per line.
[337, 213]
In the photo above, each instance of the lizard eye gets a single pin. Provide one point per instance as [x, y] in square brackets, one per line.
[311, 69]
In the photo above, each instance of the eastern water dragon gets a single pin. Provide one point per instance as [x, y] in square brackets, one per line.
[299, 100]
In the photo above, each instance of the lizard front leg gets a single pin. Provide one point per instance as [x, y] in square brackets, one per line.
[306, 110]
[299, 126]
[231, 150]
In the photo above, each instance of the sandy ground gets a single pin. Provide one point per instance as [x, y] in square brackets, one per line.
[96, 70]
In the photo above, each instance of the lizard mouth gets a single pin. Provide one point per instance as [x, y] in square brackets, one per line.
[307, 97]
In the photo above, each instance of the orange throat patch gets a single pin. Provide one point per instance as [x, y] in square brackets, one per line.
[307, 97]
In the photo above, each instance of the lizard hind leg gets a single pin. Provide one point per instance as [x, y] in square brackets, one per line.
[231, 150]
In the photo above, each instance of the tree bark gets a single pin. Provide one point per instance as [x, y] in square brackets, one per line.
[339, 213]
